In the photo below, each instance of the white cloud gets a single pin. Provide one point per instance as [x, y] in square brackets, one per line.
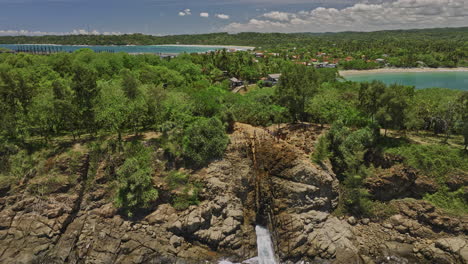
[364, 16]
[222, 16]
[112, 33]
[185, 12]
[204, 14]
[24, 32]
[276, 15]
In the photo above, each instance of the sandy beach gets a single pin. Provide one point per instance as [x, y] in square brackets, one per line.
[398, 70]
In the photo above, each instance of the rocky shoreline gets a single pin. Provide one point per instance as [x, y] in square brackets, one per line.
[263, 178]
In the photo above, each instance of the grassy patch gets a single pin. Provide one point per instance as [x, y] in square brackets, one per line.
[47, 184]
[176, 179]
[453, 202]
[188, 197]
[185, 193]
[433, 160]
[56, 174]
[439, 162]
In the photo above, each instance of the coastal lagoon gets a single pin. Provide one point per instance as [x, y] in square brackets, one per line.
[444, 79]
[157, 49]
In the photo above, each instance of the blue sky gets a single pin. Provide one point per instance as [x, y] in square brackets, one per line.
[162, 17]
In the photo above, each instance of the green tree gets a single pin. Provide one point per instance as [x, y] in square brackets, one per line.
[135, 187]
[463, 112]
[297, 85]
[129, 84]
[42, 114]
[154, 97]
[160, 75]
[17, 90]
[85, 91]
[369, 94]
[112, 108]
[66, 112]
[328, 106]
[392, 106]
[356, 199]
[257, 108]
[204, 139]
[321, 151]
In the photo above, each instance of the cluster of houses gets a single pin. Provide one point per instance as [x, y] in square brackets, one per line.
[272, 79]
[237, 85]
[323, 64]
[235, 82]
[321, 60]
[263, 54]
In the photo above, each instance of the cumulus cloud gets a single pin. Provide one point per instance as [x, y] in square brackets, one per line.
[222, 16]
[281, 16]
[185, 12]
[204, 14]
[363, 16]
[24, 32]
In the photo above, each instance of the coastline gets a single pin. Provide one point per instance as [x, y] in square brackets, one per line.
[345, 73]
[169, 45]
[208, 46]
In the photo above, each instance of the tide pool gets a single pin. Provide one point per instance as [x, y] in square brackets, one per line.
[421, 80]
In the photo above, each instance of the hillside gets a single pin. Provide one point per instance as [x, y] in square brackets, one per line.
[260, 179]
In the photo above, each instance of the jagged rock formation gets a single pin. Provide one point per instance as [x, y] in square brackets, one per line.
[265, 177]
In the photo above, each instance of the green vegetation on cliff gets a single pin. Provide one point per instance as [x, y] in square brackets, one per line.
[134, 176]
[143, 116]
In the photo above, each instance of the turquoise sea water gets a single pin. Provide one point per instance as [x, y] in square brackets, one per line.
[421, 80]
[165, 49]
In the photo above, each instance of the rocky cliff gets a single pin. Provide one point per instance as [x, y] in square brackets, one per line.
[265, 177]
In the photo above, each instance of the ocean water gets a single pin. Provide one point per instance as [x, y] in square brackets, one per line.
[421, 80]
[164, 49]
